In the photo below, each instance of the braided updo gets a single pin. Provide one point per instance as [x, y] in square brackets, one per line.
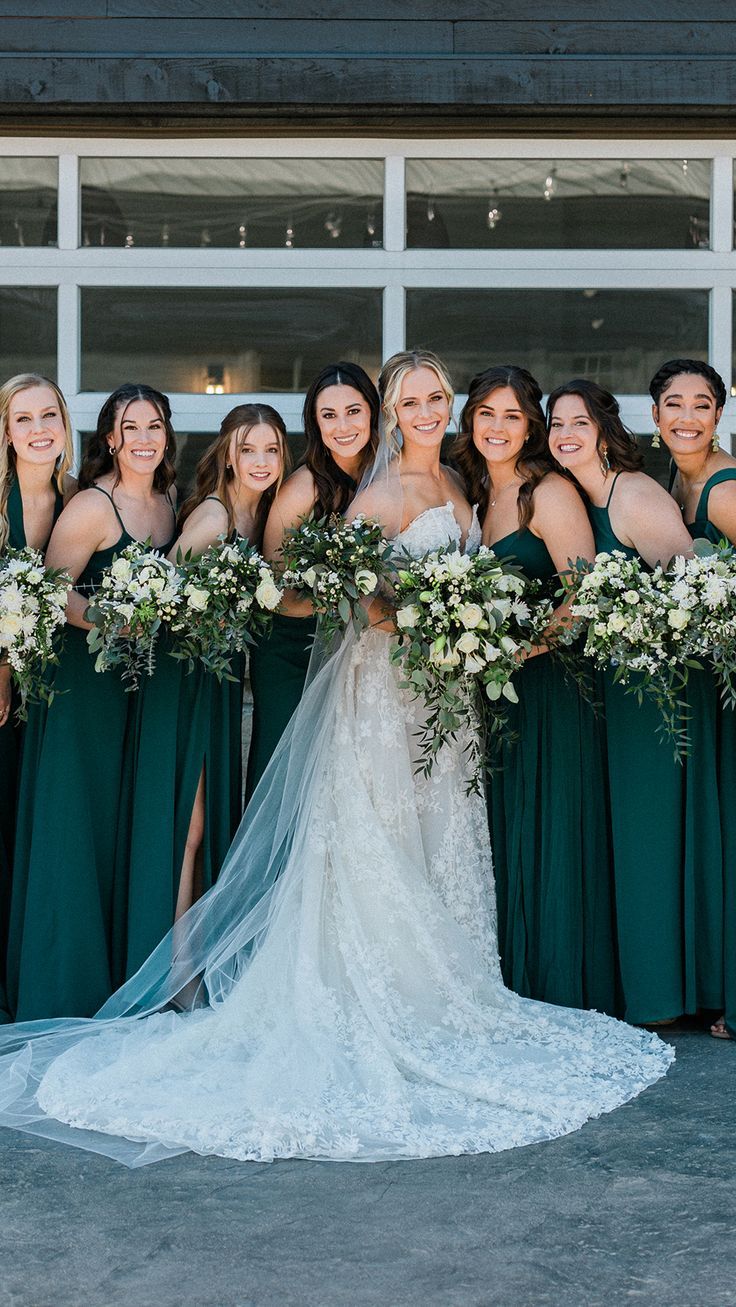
[689, 367]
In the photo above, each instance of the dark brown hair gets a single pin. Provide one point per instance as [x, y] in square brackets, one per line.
[334, 488]
[534, 460]
[98, 460]
[687, 367]
[618, 443]
[214, 476]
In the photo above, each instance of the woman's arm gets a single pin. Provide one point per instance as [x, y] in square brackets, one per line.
[204, 527]
[562, 524]
[651, 521]
[722, 509]
[293, 503]
[86, 525]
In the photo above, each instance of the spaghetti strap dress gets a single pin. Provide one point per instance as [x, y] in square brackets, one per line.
[12, 736]
[715, 924]
[185, 724]
[62, 945]
[646, 804]
[549, 828]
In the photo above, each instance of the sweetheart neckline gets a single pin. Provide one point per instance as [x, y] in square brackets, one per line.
[436, 508]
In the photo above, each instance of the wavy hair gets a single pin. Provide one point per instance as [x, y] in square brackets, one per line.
[98, 461]
[390, 379]
[13, 386]
[334, 488]
[689, 367]
[619, 444]
[215, 477]
[534, 460]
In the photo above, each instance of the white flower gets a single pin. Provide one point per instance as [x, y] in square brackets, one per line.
[456, 564]
[407, 616]
[678, 619]
[616, 622]
[268, 594]
[447, 657]
[631, 597]
[13, 599]
[121, 570]
[11, 624]
[197, 599]
[309, 577]
[365, 580]
[474, 663]
[468, 642]
[470, 615]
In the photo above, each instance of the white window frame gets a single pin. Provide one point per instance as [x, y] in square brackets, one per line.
[393, 269]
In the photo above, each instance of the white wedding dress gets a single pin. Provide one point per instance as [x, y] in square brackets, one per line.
[368, 1019]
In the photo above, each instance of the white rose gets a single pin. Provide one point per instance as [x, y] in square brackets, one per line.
[447, 657]
[600, 628]
[121, 570]
[196, 598]
[678, 619]
[366, 581]
[408, 616]
[457, 564]
[268, 594]
[309, 577]
[468, 643]
[474, 663]
[631, 597]
[471, 615]
[616, 622]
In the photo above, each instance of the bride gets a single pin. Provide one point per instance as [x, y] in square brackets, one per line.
[351, 1005]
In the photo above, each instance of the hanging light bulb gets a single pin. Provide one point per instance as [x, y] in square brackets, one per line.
[205, 239]
[623, 177]
[370, 223]
[165, 233]
[684, 167]
[430, 208]
[129, 242]
[242, 235]
[550, 184]
[289, 237]
[333, 224]
[494, 215]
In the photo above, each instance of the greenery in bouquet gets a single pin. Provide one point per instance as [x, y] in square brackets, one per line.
[139, 592]
[32, 615]
[338, 565]
[703, 588]
[228, 596]
[465, 624]
[631, 623]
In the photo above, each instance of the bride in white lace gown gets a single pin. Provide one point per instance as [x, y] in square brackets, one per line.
[356, 1007]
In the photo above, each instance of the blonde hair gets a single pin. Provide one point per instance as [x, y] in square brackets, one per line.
[12, 387]
[389, 387]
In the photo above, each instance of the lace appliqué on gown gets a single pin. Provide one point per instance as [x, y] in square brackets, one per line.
[371, 1022]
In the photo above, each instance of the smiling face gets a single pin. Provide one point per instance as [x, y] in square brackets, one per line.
[138, 438]
[344, 420]
[573, 435]
[256, 456]
[36, 428]
[687, 415]
[422, 408]
[500, 427]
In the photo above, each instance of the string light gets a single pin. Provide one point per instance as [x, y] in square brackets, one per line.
[289, 237]
[550, 184]
[430, 208]
[494, 216]
[242, 235]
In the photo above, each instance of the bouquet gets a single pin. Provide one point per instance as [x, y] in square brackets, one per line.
[632, 623]
[336, 564]
[32, 615]
[465, 624]
[138, 593]
[703, 589]
[227, 598]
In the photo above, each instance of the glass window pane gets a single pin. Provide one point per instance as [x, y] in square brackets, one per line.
[558, 203]
[233, 203]
[27, 330]
[616, 337]
[28, 204]
[240, 340]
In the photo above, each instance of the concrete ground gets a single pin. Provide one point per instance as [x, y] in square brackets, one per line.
[638, 1207]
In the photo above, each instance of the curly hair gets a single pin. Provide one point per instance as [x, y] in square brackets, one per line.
[618, 443]
[12, 387]
[688, 367]
[335, 489]
[534, 460]
[389, 387]
[214, 476]
[98, 460]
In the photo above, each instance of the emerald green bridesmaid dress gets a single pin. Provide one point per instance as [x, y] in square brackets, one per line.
[185, 724]
[646, 797]
[11, 737]
[549, 832]
[62, 940]
[278, 670]
[712, 810]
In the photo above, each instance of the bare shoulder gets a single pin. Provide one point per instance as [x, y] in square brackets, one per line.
[455, 480]
[210, 513]
[297, 494]
[88, 507]
[640, 489]
[374, 501]
[556, 491]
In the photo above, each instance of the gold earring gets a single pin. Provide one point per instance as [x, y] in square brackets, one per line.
[656, 438]
[605, 466]
[716, 441]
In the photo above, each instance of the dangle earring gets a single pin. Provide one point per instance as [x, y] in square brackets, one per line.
[715, 443]
[656, 438]
[604, 464]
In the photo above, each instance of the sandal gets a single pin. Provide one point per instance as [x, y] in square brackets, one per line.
[719, 1029]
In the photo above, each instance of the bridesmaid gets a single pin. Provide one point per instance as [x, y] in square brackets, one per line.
[341, 415]
[36, 452]
[631, 512]
[689, 397]
[187, 740]
[553, 879]
[66, 943]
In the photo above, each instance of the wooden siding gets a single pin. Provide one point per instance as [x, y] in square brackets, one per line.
[287, 59]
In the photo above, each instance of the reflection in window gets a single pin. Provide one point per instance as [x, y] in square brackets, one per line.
[558, 204]
[27, 330]
[233, 203]
[616, 337]
[28, 204]
[243, 340]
